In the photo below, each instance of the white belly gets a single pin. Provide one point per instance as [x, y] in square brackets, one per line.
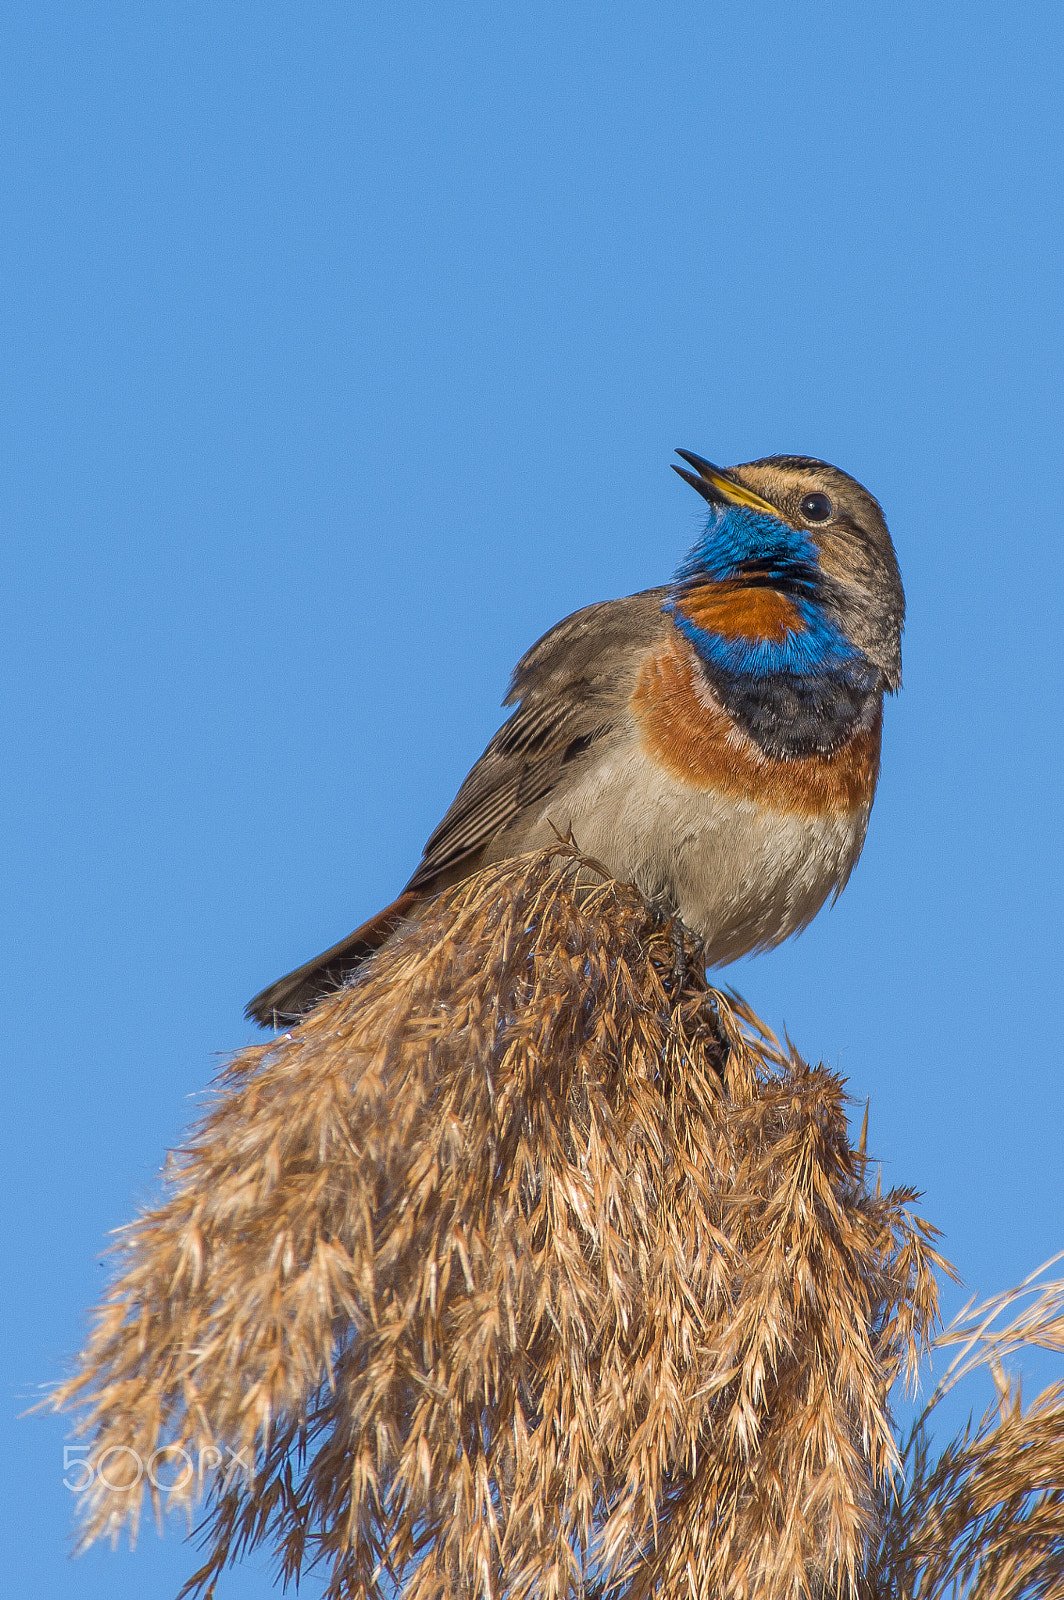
[742, 876]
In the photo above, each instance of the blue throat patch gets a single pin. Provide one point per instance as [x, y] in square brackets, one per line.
[751, 548]
[805, 694]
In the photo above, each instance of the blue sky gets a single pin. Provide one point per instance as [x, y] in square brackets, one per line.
[345, 350]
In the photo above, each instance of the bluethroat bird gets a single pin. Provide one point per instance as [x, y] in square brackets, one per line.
[715, 741]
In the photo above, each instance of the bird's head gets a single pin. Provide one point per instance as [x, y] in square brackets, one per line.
[795, 571]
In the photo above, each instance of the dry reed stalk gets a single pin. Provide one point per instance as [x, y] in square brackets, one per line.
[527, 1266]
[984, 1519]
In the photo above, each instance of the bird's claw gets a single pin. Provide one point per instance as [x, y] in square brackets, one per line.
[665, 915]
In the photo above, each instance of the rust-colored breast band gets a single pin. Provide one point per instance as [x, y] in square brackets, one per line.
[694, 739]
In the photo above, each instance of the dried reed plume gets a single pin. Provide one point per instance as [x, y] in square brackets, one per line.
[528, 1265]
[986, 1518]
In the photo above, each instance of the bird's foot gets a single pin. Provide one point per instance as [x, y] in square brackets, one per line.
[665, 915]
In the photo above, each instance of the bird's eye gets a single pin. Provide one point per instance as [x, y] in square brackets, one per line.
[817, 508]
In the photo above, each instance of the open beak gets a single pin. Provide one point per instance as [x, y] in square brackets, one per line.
[718, 486]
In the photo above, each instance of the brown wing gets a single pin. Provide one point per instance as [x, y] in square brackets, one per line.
[571, 688]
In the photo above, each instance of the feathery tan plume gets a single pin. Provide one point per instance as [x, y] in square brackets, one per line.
[985, 1518]
[529, 1265]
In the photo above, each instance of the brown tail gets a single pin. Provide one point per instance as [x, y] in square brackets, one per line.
[287, 999]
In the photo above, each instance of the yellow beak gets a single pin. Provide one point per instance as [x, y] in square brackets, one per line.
[716, 486]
